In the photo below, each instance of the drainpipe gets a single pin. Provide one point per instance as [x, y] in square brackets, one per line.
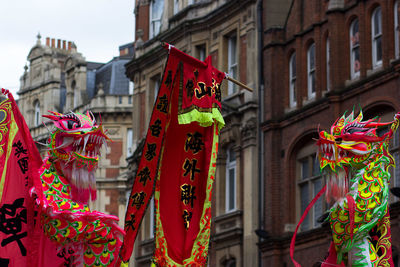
[261, 192]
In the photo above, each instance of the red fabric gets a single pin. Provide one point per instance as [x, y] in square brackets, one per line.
[19, 163]
[331, 260]
[180, 91]
[293, 242]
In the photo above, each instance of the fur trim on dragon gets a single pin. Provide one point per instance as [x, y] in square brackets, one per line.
[82, 237]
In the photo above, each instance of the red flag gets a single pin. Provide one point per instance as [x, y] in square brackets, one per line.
[178, 160]
[19, 162]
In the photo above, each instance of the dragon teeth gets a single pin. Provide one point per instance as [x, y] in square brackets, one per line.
[86, 138]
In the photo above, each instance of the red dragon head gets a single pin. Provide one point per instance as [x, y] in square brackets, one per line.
[74, 145]
[350, 145]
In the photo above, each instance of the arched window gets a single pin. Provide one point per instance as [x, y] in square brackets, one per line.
[292, 81]
[354, 50]
[37, 113]
[311, 71]
[309, 183]
[376, 30]
[396, 29]
[230, 193]
[328, 67]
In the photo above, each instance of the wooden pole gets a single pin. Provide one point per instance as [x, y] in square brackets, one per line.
[238, 83]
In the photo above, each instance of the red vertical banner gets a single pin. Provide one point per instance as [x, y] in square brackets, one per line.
[19, 163]
[178, 161]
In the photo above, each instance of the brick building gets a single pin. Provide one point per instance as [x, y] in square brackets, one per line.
[60, 79]
[320, 58]
[227, 31]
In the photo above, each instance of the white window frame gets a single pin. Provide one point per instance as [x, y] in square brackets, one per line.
[328, 65]
[311, 88]
[376, 38]
[232, 62]
[37, 113]
[292, 81]
[396, 29]
[353, 49]
[230, 165]
[129, 142]
[154, 20]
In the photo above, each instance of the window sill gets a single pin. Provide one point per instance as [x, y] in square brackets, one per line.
[290, 109]
[308, 100]
[376, 69]
[352, 81]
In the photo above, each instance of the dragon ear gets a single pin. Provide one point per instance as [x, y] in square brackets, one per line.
[51, 117]
[54, 117]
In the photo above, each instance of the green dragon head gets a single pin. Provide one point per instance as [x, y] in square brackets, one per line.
[74, 147]
[349, 147]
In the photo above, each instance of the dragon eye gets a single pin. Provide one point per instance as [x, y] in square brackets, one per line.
[69, 124]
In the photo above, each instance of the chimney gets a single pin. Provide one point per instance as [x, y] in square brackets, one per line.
[64, 46]
[47, 41]
[59, 43]
[53, 42]
[69, 46]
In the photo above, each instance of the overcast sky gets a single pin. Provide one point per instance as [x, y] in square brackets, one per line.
[97, 27]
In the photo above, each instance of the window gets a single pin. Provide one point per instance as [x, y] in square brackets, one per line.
[396, 29]
[230, 263]
[328, 77]
[131, 88]
[151, 219]
[129, 142]
[155, 86]
[201, 52]
[120, 99]
[311, 71]
[176, 6]
[376, 29]
[354, 50]
[230, 181]
[232, 63]
[37, 113]
[310, 182]
[156, 12]
[190, 2]
[292, 81]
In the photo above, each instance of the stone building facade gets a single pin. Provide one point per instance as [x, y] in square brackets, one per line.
[226, 30]
[321, 58]
[59, 78]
